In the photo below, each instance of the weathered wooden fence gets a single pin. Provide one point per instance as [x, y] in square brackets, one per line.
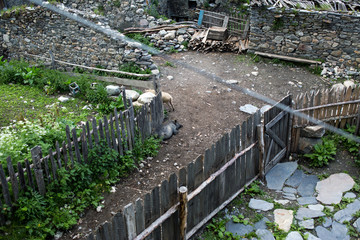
[213, 180]
[119, 131]
[337, 108]
[237, 24]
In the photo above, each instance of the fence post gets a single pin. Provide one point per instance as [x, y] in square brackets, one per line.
[183, 211]
[260, 130]
[36, 156]
[123, 93]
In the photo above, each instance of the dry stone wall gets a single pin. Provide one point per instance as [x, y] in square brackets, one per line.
[330, 36]
[37, 30]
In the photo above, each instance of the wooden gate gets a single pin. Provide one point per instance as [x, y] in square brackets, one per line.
[277, 127]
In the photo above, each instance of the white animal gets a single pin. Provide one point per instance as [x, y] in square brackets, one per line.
[166, 98]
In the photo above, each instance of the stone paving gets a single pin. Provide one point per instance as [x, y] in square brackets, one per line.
[313, 199]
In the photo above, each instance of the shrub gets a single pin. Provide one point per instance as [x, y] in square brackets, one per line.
[322, 153]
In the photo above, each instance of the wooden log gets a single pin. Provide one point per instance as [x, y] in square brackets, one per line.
[183, 211]
[286, 58]
[5, 188]
[129, 215]
[260, 130]
[13, 179]
[39, 176]
[21, 176]
[76, 145]
[183, 176]
[69, 145]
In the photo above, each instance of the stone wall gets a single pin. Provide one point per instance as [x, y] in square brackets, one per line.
[330, 36]
[12, 3]
[37, 30]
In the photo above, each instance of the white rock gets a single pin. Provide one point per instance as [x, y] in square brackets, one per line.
[282, 201]
[255, 73]
[137, 104]
[86, 107]
[232, 81]
[162, 33]
[98, 209]
[248, 108]
[113, 90]
[349, 83]
[131, 94]
[180, 39]
[260, 205]
[170, 36]
[146, 98]
[283, 218]
[316, 207]
[155, 72]
[264, 108]
[170, 78]
[63, 99]
[331, 189]
[307, 224]
[113, 189]
[294, 236]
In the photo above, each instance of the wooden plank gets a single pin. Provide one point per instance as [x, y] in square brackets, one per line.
[147, 209]
[84, 145]
[13, 179]
[232, 146]
[129, 215]
[286, 58]
[183, 211]
[101, 130]
[123, 134]
[39, 176]
[167, 230]
[95, 131]
[201, 16]
[139, 216]
[128, 128]
[117, 127]
[46, 168]
[118, 226]
[275, 160]
[113, 136]
[226, 21]
[69, 146]
[53, 164]
[155, 212]
[58, 154]
[5, 188]
[88, 132]
[183, 177]
[29, 174]
[199, 201]
[107, 132]
[65, 156]
[243, 135]
[76, 145]
[345, 107]
[21, 176]
[190, 177]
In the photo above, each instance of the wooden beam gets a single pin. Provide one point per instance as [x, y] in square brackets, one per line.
[286, 58]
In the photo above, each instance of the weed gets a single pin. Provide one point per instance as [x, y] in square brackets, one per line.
[139, 37]
[117, 3]
[327, 211]
[323, 176]
[258, 217]
[185, 44]
[278, 233]
[240, 219]
[169, 64]
[278, 24]
[254, 189]
[322, 153]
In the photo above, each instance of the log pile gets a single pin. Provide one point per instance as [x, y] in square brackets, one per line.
[201, 43]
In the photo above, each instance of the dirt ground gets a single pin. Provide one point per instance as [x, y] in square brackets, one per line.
[207, 109]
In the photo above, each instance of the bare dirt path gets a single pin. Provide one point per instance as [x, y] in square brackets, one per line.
[206, 109]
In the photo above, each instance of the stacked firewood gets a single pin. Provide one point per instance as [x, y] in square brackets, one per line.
[200, 42]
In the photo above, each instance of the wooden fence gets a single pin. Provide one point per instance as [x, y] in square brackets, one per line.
[237, 24]
[337, 108]
[119, 131]
[213, 180]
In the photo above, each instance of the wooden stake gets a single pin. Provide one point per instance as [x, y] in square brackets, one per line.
[183, 211]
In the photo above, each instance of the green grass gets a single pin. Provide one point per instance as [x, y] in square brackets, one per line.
[23, 101]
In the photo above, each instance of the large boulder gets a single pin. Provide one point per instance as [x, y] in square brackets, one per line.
[313, 131]
[131, 94]
[113, 90]
[146, 97]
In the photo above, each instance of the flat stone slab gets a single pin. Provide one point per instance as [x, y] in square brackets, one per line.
[350, 195]
[261, 224]
[324, 234]
[277, 176]
[294, 236]
[305, 213]
[289, 190]
[260, 205]
[356, 225]
[307, 186]
[340, 231]
[327, 223]
[283, 218]
[310, 236]
[316, 207]
[264, 234]
[238, 228]
[295, 179]
[307, 200]
[282, 201]
[346, 213]
[331, 189]
[289, 196]
[307, 224]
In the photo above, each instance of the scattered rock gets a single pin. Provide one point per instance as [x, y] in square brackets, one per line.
[283, 218]
[260, 205]
[289, 196]
[232, 81]
[350, 195]
[277, 176]
[323, 233]
[327, 223]
[306, 145]
[131, 94]
[248, 108]
[63, 99]
[137, 104]
[295, 179]
[305, 213]
[347, 213]
[289, 190]
[313, 131]
[311, 237]
[307, 224]
[282, 202]
[294, 236]
[98, 209]
[255, 73]
[331, 189]
[264, 234]
[356, 224]
[306, 200]
[307, 186]
[238, 228]
[146, 97]
[113, 90]
[170, 78]
[318, 207]
[262, 223]
[340, 231]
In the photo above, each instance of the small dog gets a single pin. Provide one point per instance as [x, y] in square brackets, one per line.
[166, 131]
[166, 98]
